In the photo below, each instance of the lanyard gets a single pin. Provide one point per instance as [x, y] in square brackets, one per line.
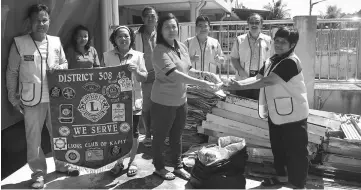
[41, 56]
[259, 53]
[202, 53]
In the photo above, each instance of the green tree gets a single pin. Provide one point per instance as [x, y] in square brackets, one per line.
[278, 10]
[333, 11]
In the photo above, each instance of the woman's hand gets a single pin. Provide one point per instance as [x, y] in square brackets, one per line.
[133, 68]
[233, 85]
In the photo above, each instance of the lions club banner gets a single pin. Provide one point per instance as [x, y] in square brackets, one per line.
[91, 115]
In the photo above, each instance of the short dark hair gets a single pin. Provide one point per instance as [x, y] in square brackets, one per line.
[202, 18]
[291, 35]
[169, 16]
[148, 8]
[131, 34]
[37, 8]
[75, 32]
[253, 15]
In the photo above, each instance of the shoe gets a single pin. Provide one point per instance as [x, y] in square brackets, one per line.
[268, 182]
[117, 168]
[38, 183]
[70, 171]
[132, 170]
[164, 174]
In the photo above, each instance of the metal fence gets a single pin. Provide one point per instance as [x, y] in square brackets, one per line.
[338, 44]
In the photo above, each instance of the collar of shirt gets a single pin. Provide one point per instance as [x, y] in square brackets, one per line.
[175, 48]
[130, 52]
[277, 58]
[78, 52]
[260, 36]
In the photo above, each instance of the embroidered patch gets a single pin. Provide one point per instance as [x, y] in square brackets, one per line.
[124, 127]
[60, 143]
[125, 84]
[94, 155]
[72, 156]
[66, 113]
[55, 92]
[68, 93]
[125, 97]
[91, 86]
[57, 51]
[93, 106]
[115, 150]
[112, 91]
[64, 131]
[114, 100]
[118, 112]
[28, 57]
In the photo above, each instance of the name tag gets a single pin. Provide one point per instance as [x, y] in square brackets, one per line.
[28, 57]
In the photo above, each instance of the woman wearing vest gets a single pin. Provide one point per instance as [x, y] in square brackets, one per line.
[122, 39]
[81, 54]
[249, 52]
[172, 68]
[283, 99]
[145, 39]
[31, 55]
[205, 52]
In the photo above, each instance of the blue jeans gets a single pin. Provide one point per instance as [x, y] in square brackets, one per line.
[168, 120]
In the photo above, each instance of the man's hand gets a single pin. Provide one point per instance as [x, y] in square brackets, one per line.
[55, 67]
[233, 85]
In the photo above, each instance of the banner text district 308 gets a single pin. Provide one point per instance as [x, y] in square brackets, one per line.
[91, 115]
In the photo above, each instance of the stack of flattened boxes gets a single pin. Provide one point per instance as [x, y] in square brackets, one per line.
[238, 116]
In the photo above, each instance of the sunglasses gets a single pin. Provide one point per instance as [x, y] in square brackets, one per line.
[254, 23]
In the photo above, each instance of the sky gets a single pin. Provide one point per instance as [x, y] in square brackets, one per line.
[301, 7]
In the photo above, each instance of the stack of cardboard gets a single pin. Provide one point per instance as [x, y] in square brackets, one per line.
[200, 102]
[237, 116]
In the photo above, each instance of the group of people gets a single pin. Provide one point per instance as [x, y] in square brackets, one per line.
[162, 67]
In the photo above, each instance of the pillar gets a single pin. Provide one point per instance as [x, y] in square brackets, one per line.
[306, 51]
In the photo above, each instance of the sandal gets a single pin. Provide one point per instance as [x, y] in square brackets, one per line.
[117, 168]
[164, 174]
[182, 174]
[132, 170]
[38, 184]
[147, 142]
[272, 182]
[166, 141]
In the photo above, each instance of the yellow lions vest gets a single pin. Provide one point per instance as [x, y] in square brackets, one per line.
[286, 102]
[32, 70]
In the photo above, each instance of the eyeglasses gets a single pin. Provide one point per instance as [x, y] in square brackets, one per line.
[254, 23]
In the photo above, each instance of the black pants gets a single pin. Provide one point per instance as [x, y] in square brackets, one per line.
[167, 120]
[289, 147]
[251, 93]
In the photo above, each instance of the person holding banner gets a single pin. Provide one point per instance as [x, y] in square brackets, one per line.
[31, 55]
[172, 68]
[80, 53]
[283, 99]
[249, 52]
[123, 39]
[205, 52]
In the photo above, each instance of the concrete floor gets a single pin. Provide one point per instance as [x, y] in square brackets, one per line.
[14, 164]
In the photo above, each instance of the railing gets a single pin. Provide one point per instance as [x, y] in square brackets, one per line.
[338, 44]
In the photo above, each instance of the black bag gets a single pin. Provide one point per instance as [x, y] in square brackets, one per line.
[226, 174]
